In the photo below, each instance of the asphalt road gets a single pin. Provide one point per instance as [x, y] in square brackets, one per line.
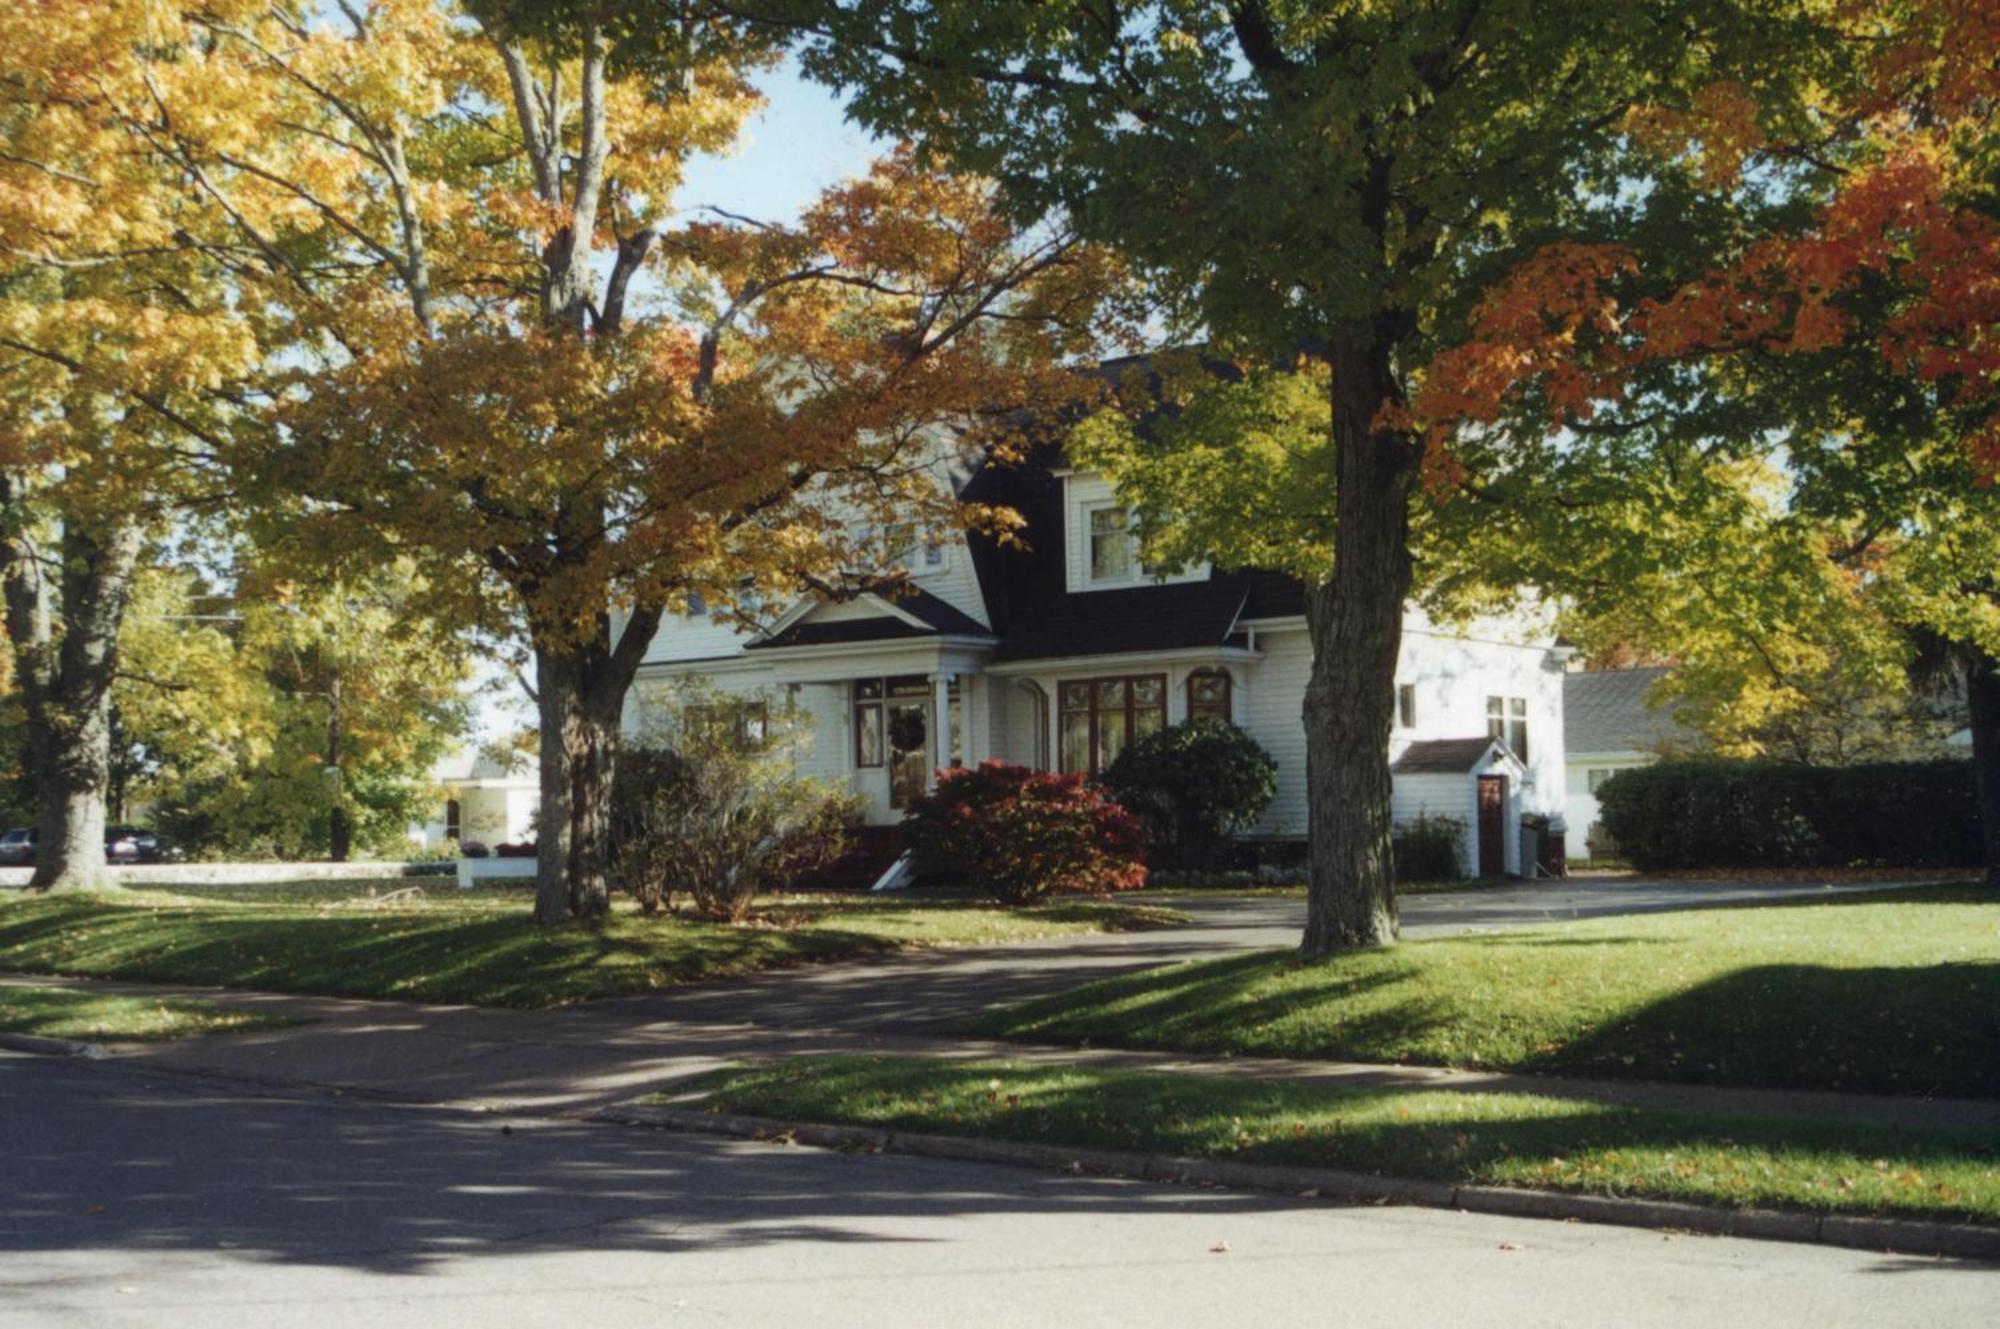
[128, 1197]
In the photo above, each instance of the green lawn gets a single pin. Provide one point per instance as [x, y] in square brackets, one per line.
[104, 1017]
[1485, 1139]
[1897, 993]
[444, 946]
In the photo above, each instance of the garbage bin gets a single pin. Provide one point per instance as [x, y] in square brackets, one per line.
[1532, 826]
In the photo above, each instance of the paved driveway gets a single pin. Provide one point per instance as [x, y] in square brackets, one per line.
[143, 1200]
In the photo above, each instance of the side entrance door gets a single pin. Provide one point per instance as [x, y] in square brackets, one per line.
[909, 751]
[1492, 825]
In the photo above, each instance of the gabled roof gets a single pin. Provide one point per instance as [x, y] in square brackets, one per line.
[1444, 756]
[934, 618]
[1605, 710]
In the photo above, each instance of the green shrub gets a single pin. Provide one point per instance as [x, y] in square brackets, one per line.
[1429, 849]
[1196, 785]
[719, 813]
[1738, 814]
[1020, 834]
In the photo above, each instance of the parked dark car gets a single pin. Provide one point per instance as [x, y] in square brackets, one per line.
[132, 844]
[17, 847]
[122, 844]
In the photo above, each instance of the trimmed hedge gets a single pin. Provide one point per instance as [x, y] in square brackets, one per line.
[1738, 814]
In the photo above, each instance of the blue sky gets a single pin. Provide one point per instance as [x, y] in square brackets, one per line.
[800, 143]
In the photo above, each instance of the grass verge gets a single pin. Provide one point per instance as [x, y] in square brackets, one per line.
[1462, 1138]
[483, 948]
[107, 1018]
[1892, 993]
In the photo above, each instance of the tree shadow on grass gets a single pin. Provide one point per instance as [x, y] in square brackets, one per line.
[1215, 1006]
[1932, 1030]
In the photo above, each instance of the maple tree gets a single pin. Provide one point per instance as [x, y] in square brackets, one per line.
[508, 358]
[1350, 181]
[1855, 338]
[119, 340]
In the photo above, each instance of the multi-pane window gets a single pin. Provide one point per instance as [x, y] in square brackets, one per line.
[746, 724]
[907, 550]
[1597, 775]
[868, 731]
[1101, 717]
[1507, 720]
[1406, 705]
[1208, 695]
[1114, 555]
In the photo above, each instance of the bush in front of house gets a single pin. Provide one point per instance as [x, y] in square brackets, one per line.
[1749, 814]
[720, 815]
[1019, 834]
[1428, 848]
[1197, 785]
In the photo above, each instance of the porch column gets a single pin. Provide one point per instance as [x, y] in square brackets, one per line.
[977, 743]
[941, 727]
[1052, 723]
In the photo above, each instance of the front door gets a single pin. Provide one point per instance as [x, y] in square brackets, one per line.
[909, 751]
[1492, 825]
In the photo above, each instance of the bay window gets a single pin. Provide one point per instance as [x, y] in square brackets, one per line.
[1101, 717]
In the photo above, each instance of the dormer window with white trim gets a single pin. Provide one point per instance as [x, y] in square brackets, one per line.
[1114, 546]
[907, 551]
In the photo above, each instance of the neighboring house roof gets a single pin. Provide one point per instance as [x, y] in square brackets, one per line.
[470, 766]
[1443, 756]
[1605, 710]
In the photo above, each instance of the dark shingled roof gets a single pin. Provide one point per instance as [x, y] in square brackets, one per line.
[1605, 710]
[1441, 756]
[1177, 616]
[940, 619]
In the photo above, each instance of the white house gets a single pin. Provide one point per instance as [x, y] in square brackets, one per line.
[482, 798]
[1611, 727]
[1059, 654]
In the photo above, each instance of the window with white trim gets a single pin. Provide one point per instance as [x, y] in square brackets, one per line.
[1114, 548]
[914, 551]
[1406, 705]
[1507, 720]
[1596, 776]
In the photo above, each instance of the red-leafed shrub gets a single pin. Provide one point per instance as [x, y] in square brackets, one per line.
[1019, 834]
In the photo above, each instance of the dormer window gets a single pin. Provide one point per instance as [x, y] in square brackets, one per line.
[1114, 546]
[908, 550]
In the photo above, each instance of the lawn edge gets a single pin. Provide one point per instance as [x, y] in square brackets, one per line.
[43, 1046]
[1853, 1232]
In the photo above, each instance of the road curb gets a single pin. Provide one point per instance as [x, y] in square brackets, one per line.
[1903, 1236]
[49, 1047]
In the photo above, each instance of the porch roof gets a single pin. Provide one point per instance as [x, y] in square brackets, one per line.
[935, 618]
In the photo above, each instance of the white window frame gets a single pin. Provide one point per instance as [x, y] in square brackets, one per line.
[904, 553]
[1406, 706]
[1137, 573]
[1507, 720]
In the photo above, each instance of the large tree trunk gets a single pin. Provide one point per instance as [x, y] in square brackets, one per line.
[1356, 622]
[580, 694]
[1982, 687]
[65, 679]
